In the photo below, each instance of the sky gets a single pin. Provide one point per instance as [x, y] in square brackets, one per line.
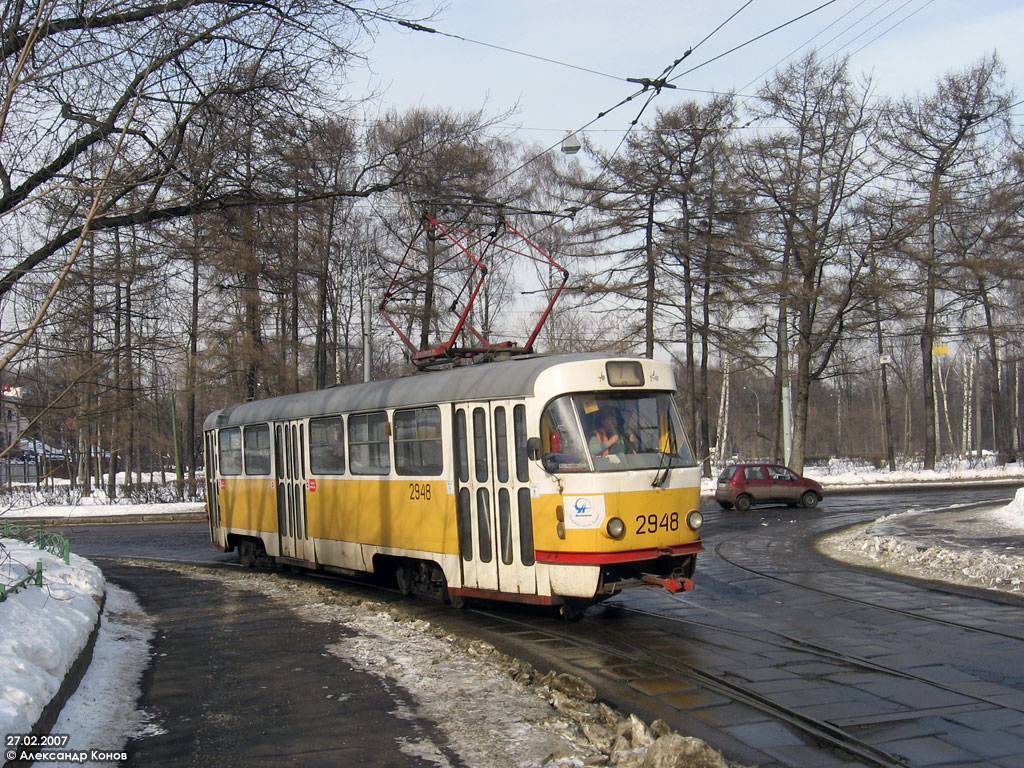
[905, 45]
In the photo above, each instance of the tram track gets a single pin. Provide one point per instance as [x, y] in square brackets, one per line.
[618, 648]
[821, 652]
[1007, 600]
[631, 651]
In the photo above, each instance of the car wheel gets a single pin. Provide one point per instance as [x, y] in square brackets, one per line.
[744, 502]
[725, 505]
[809, 500]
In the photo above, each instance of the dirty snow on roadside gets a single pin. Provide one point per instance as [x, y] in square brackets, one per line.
[873, 545]
[495, 711]
[102, 714]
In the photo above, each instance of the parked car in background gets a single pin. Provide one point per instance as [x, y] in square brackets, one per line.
[743, 485]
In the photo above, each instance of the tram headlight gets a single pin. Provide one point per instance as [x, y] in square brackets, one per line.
[616, 528]
[695, 520]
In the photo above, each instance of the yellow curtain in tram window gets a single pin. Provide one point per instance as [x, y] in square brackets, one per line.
[665, 438]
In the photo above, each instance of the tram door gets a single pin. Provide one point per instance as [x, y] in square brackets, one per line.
[292, 518]
[212, 499]
[489, 497]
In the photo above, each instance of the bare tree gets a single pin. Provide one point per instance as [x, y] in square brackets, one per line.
[935, 145]
[806, 177]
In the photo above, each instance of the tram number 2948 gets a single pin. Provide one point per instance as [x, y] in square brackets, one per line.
[419, 491]
[653, 523]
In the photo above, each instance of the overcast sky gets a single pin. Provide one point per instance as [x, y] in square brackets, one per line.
[904, 44]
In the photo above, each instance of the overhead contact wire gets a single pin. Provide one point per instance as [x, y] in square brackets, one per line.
[423, 28]
[755, 39]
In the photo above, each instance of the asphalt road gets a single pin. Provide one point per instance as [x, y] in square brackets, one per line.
[929, 676]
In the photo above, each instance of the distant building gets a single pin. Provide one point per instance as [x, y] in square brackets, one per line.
[29, 459]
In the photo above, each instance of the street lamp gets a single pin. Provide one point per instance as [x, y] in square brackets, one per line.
[570, 144]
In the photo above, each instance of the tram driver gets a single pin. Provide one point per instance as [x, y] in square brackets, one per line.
[606, 440]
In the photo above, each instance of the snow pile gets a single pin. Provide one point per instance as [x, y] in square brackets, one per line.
[44, 629]
[1012, 515]
[872, 544]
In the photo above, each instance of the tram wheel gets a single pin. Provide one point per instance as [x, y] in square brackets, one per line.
[247, 553]
[572, 610]
[404, 577]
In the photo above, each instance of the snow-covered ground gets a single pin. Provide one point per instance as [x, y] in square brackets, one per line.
[848, 475]
[35, 506]
[885, 543]
[43, 630]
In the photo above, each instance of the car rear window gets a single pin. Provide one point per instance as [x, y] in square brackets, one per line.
[727, 473]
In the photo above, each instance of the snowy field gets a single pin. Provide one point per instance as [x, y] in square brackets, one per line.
[43, 630]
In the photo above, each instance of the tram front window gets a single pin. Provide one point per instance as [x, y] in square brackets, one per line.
[604, 432]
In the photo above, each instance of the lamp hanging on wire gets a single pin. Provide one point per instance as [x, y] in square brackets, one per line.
[571, 143]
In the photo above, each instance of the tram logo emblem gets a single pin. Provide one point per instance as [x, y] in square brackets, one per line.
[584, 511]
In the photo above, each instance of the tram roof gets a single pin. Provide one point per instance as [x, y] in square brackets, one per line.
[486, 381]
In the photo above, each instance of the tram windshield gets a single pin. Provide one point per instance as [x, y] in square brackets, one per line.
[603, 432]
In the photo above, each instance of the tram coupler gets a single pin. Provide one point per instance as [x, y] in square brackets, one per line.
[672, 585]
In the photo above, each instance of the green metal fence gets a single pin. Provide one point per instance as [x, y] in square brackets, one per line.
[35, 577]
[53, 542]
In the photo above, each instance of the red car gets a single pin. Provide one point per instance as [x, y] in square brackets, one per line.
[743, 485]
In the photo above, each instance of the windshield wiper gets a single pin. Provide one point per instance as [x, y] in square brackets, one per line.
[663, 470]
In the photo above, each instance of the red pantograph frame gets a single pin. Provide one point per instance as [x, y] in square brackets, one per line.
[446, 350]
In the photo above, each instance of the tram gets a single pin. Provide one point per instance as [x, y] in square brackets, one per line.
[555, 480]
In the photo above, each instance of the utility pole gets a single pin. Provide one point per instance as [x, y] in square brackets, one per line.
[787, 399]
[367, 312]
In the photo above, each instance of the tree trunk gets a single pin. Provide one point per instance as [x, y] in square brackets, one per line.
[887, 434]
[652, 276]
[192, 366]
[1001, 426]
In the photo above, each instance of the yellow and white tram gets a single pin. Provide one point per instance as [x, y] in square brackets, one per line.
[554, 480]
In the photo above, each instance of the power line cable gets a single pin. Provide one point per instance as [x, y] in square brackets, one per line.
[423, 28]
[862, 19]
[657, 84]
[890, 29]
[814, 37]
[754, 39]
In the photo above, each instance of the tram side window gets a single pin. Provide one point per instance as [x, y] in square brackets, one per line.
[564, 450]
[327, 446]
[257, 450]
[229, 448]
[368, 444]
[418, 441]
